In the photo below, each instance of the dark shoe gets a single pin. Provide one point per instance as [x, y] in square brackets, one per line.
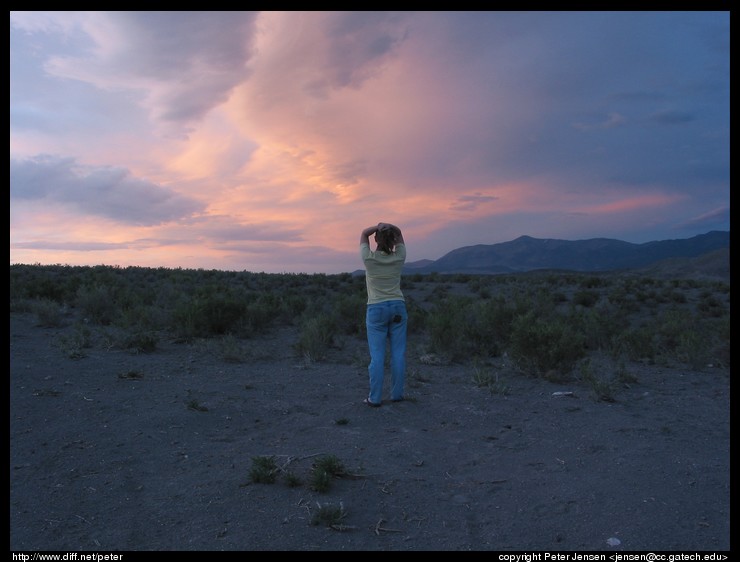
[372, 404]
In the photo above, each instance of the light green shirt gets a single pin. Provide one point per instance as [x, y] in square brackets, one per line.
[383, 273]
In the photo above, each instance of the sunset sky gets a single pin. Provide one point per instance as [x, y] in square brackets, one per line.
[266, 141]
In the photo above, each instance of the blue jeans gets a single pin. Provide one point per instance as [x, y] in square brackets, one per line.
[382, 328]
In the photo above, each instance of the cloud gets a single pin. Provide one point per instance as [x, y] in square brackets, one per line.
[69, 246]
[107, 192]
[183, 64]
[671, 117]
[316, 54]
[248, 138]
[715, 219]
[227, 230]
[614, 119]
[471, 202]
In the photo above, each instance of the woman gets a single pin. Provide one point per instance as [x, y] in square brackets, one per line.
[386, 316]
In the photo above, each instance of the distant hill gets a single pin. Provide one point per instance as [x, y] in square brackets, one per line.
[712, 265]
[597, 254]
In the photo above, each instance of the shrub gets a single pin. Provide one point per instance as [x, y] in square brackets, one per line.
[264, 470]
[485, 378]
[142, 342]
[97, 304]
[540, 345]
[634, 343]
[48, 312]
[349, 312]
[73, 344]
[320, 480]
[316, 336]
[208, 316]
[323, 470]
[446, 324]
[586, 298]
[329, 515]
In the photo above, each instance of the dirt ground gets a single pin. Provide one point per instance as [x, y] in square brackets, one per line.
[119, 451]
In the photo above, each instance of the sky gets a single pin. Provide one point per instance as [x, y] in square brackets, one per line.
[267, 141]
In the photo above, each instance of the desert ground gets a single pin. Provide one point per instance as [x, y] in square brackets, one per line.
[117, 450]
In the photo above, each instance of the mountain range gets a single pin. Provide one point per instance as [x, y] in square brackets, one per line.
[597, 254]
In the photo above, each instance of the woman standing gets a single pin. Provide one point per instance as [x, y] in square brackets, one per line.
[386, 316]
